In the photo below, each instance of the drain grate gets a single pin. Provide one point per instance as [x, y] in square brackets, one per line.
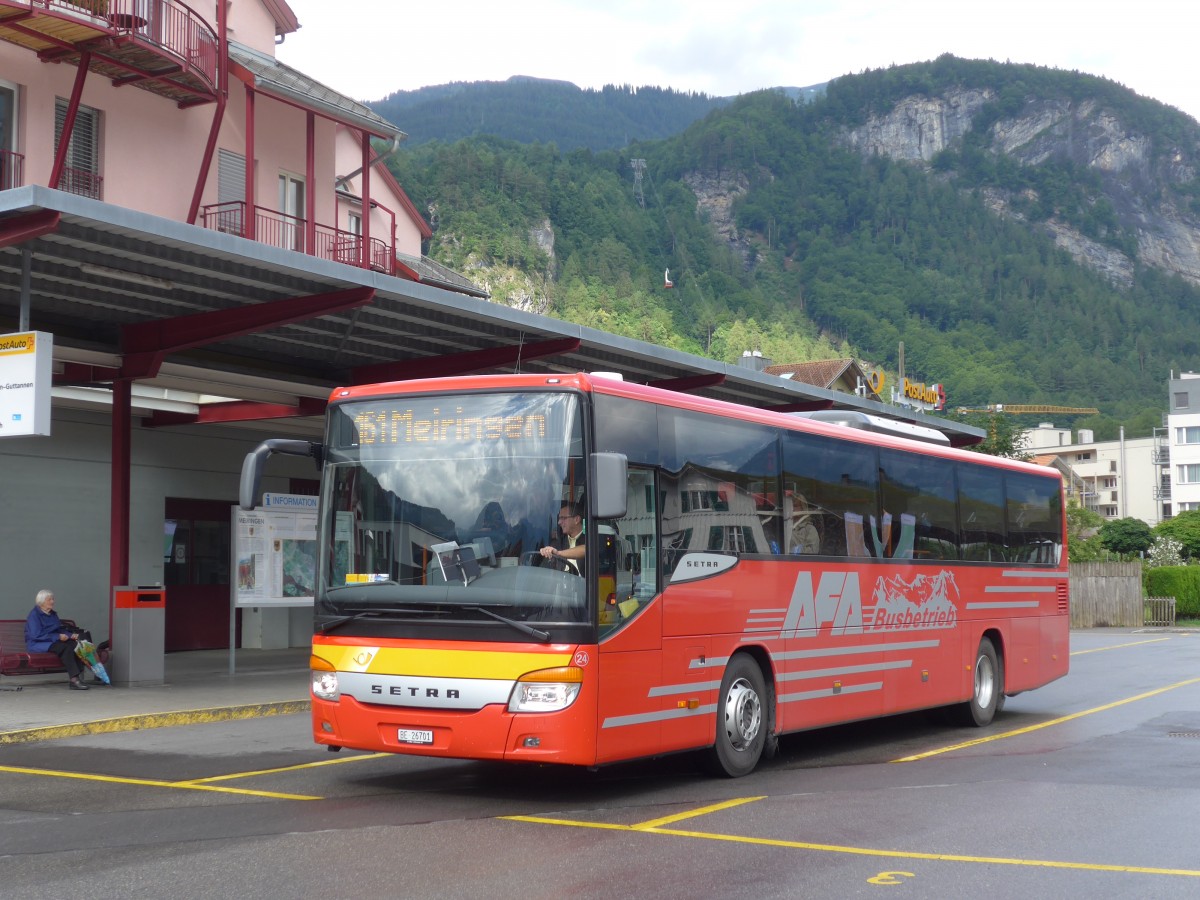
[1191, 734]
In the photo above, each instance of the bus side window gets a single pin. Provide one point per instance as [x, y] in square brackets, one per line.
[921, 499]
[982, 532]
[838, 481]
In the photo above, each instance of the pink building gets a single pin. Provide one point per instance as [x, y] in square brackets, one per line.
[156, 106]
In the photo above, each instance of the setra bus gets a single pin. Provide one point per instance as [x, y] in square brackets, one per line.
[744, 573]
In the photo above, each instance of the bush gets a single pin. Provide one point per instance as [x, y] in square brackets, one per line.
[1180, 582]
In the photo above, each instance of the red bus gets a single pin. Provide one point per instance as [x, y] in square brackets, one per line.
[745, 573]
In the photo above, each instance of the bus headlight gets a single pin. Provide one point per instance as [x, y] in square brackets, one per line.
[547, 690]
[324, 679]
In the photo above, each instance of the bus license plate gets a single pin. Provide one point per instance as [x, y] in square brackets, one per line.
[414, 736]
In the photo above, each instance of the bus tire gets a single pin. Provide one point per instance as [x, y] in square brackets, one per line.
[987, 692]
[742, 719]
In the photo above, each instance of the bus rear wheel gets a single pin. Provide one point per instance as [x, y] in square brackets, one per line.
[742, 719]
[987, 694]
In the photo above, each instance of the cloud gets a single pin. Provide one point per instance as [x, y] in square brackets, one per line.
[370, 48]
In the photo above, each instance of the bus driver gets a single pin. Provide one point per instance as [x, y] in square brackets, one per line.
[569, 549]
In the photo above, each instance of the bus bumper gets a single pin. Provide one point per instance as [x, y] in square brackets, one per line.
[491, 733]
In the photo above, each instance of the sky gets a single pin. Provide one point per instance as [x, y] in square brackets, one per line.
[368, 49]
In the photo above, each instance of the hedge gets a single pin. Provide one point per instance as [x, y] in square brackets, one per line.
[1180, 582]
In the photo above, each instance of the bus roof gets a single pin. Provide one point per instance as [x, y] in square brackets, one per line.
[842, 424]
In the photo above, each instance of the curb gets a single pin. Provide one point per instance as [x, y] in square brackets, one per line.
[154, 720]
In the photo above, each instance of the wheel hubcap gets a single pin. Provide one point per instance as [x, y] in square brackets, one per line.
[743, 714]
[985, 682]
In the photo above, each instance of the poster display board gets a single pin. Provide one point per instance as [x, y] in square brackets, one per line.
[25, 380]
[275, 552]
[274, 558]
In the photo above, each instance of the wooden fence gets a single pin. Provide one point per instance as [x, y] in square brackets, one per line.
[1108, 594]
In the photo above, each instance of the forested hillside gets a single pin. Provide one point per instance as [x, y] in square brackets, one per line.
[781, 236]
[535, 110]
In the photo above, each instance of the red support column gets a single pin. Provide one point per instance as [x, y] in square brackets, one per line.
[249, 227]
[118, 552]
[366, 201]
[310, 181]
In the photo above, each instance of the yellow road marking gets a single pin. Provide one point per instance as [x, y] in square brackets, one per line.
[1119, 646]
[1030, 728]
[702, 811]
[311, 765]
[862, 851]
[146, 782]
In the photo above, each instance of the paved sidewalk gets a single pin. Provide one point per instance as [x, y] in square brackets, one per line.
[197, 688]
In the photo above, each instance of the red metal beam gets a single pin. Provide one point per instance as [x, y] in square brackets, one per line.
[801, 406]
[146, 344]
[64, 139]
[82, 373]
[691, 383]
[20, 229]
[461, 363]
[206, 161]
[237, 411]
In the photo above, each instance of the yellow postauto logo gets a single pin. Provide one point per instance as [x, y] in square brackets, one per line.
[13, 344]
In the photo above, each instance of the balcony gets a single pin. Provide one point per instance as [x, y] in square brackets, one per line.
[161, 46]
[288, 232]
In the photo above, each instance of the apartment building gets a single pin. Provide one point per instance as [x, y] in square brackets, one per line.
[1117, 479]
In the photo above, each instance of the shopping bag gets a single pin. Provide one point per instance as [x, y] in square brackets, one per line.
[86, 651]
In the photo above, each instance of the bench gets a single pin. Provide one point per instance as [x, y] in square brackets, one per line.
[15, 659]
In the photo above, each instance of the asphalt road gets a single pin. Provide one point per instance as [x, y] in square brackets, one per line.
[1084, 787]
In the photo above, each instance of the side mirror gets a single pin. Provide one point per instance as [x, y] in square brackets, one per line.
[608, 495]
[256, 460]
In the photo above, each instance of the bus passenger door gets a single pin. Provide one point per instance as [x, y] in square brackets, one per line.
[630, 651]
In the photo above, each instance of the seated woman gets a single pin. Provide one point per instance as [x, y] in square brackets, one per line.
[45, 631]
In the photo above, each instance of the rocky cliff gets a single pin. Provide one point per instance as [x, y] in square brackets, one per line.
[1141, 182]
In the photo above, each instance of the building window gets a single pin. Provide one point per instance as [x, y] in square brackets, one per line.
[1189, 435]
[1083, 457]
[81, 173]
[231, 192]
[1189, 474]
[10, 161]
[291, 209]
[1181, 400]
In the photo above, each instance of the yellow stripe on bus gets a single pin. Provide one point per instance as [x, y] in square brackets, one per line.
[437, 663]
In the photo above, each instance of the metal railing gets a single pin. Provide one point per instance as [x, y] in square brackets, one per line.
[81, 182]
[12, 170]
[288, 232]
[168, 24]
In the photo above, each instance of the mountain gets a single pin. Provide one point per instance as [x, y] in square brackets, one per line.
[536, 110]
[1027, 235]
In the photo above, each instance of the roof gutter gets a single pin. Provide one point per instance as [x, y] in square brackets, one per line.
[341, 182]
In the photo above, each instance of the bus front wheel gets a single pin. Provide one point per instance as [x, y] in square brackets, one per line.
[742, 719]
[987, 693]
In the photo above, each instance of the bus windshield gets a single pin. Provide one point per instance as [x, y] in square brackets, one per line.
[438, 506]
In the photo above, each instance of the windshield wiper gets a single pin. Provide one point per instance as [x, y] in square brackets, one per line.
[543, 636]
[333, 589]
[326, 627]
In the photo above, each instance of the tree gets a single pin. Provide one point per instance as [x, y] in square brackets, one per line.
[1005, 437]
[1184, 528]
[1083, 543]
[1127, 536]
